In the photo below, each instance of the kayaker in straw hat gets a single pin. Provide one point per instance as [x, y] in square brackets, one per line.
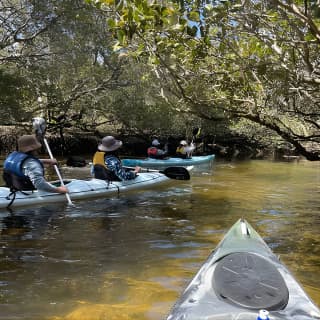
[24, 171]
[107, 164]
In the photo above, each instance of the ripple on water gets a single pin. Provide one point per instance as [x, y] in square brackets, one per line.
[127, 257]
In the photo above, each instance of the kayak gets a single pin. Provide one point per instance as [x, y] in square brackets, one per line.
[81, 189]
[161, 163]
[242, 279]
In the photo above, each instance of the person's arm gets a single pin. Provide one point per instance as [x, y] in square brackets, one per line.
[161, 152]
[34, 171]
[115, 165]
[50, 162]
[190, 148]
[183, 150]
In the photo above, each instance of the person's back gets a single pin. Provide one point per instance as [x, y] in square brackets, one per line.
[23, 171]
[155, 152]
[106, 163]
[13, 173]
[184, 150]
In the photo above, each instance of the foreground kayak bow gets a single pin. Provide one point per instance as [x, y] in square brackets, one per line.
[240, 278]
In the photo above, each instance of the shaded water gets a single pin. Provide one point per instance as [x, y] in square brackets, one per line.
[129, 257]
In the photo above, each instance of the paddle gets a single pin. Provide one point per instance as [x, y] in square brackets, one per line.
[195, 134]
[177, 173]
[39, 124]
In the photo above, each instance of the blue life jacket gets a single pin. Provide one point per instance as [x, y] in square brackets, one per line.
[13, 174]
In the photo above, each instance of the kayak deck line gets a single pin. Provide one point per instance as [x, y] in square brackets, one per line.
[82, 189]
[240, 278]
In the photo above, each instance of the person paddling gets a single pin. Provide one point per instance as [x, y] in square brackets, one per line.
[155, 151]
[24, 171]
[107, 164]
[184, 150]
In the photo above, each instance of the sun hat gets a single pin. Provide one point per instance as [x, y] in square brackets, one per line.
[183, 142]
[28, 143]
[109, 143]
[156, 142]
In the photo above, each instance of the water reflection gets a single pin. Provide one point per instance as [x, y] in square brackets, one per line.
[129, 257]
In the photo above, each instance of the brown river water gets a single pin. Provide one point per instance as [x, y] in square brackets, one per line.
[130, 256]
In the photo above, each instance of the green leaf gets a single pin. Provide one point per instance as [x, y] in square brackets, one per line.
[194, 16]
[121, 35]
[111, 23]
[117, 46]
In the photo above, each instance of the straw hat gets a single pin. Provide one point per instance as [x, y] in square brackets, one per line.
[28, 143]
[109, 143]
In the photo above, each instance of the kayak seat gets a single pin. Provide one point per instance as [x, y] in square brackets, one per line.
[16, 183]
[102, 173]
[248, 280]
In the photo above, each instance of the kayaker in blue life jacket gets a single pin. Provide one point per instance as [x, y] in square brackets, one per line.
[22, 170]
[155, 152]
[107, 164]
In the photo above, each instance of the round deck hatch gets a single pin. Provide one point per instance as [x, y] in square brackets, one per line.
[250, 281]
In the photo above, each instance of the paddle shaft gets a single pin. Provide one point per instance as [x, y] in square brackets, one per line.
[177, 173]
[56, 169]
[144, 169]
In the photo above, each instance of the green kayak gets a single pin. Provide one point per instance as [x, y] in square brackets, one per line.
[243, 280]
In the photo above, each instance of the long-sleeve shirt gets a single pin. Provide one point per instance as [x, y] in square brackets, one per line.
[114, 164]
[33, 169]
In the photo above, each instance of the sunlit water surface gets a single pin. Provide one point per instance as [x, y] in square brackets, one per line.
[130, 257]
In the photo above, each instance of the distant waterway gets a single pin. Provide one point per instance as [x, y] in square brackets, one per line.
[130, 256]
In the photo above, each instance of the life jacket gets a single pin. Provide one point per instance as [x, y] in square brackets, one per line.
[13, 174]
[156, 153]
[100, 170]
[152, 152]
[181, 152]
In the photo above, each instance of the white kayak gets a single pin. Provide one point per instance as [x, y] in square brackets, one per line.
[81, 189]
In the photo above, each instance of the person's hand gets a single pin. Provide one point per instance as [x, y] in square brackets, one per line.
[62, 189]
[53, 162]
[137, 169]
[50, 162]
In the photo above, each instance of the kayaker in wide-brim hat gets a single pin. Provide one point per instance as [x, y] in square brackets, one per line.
[107, 164]
[28, 143]
[109, 143]
[24, 171]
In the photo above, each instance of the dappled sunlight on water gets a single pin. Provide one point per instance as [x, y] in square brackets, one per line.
[138, 300]
[130, 256]
[133, 298]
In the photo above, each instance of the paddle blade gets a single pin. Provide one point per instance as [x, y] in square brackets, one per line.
[39, 124]
[178, 173]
